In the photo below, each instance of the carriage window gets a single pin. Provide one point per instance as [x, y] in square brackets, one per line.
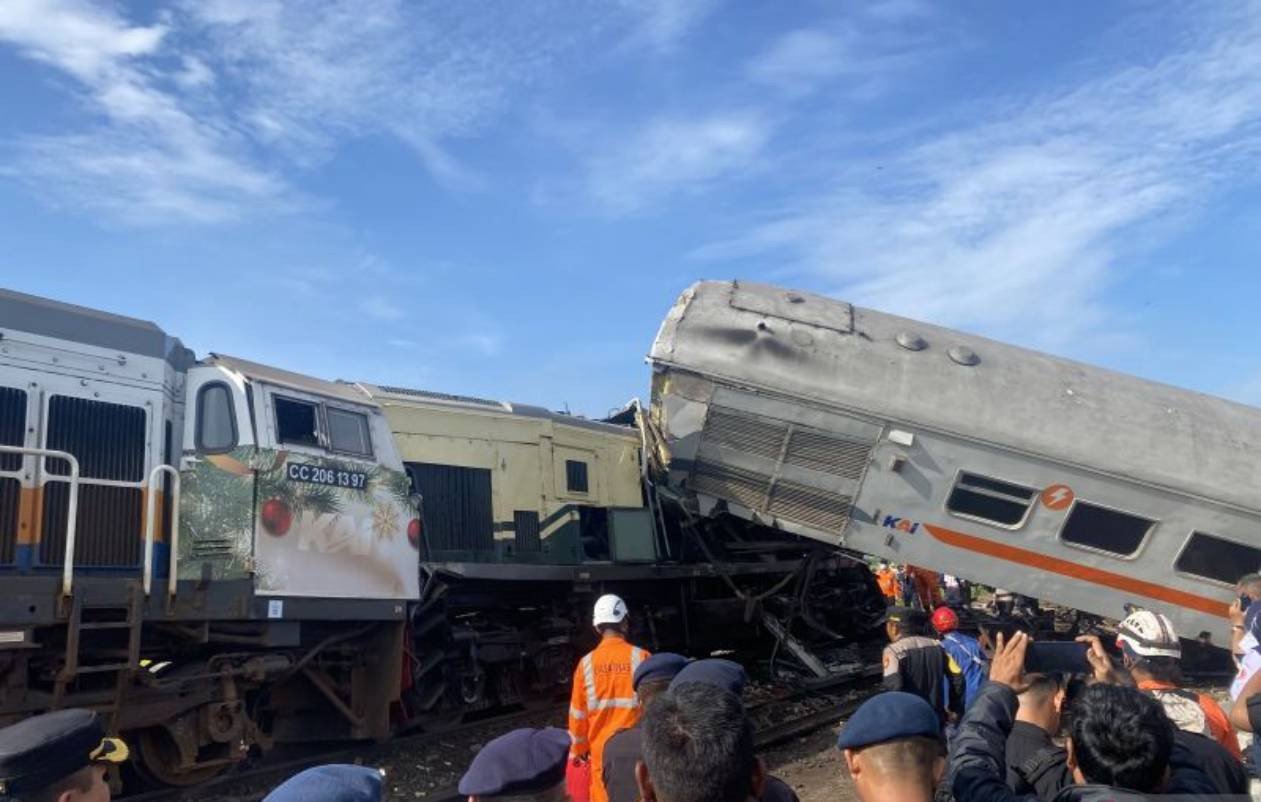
[576, 476]
[990, 500]
[216, 423]
[348, 431]
[297, 422]
[1116, 532]
[1216, 558]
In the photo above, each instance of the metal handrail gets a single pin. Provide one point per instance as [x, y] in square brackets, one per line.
[149, 522]
[72, 509]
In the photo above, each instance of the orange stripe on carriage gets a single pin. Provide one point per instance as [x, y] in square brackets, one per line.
[1086, 573]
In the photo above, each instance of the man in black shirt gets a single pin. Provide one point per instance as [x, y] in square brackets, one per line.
[625, 748]
[1035, 763]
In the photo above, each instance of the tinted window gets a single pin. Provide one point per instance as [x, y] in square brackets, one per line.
[348, 431]
[1212, 557]
[296, 422]
[1108, 530]
[576, 476]
[216, 422]
[989, 500]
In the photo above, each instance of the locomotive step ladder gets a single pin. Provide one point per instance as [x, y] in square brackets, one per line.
[104, 615]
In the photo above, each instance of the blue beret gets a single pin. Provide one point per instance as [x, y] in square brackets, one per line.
[40, 750]
[336, 782]
[716, 672]
[889, 716]
[521, 762]
[660, 666]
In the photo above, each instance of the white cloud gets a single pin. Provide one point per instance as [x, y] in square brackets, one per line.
[675, 154]
[381, 308]
[1012, 220]
[663, 24]
[800, 59]
[203, 115]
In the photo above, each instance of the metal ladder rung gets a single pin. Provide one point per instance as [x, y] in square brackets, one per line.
[106, 625]
[102, 669]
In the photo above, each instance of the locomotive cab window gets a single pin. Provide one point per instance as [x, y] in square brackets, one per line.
[991, 501]
[576, 476]
[216, 422]
[297, 422]
[1113, 531]
[348, 431]
[1212, 557]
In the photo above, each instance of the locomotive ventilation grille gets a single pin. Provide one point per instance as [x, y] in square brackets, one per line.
[764, 447]
[12, 432]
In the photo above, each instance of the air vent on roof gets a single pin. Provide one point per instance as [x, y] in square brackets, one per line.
[432, 396]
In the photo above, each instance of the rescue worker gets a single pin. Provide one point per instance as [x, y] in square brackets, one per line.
[926, 588]
[893, 749]
[888, 582]
[1151, 651]
[919, 665]
[603, 699]
[964, 650]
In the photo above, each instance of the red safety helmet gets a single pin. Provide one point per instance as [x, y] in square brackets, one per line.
[945, 620]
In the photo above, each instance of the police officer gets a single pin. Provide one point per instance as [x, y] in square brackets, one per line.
[331, 783]
[526, 764]
[57, 757]
[893, 748]
[603, 699]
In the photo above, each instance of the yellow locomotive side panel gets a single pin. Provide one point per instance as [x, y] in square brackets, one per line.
[539, 462]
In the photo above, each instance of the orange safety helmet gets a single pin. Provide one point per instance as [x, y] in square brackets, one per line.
[945, 620]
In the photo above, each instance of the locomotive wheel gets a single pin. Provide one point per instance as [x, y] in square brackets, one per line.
[158, 761]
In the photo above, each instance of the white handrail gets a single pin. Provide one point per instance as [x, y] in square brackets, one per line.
[150, 519]
[72, 510]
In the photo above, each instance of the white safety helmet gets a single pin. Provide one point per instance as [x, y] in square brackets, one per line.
[1149, 634]
[609, 609]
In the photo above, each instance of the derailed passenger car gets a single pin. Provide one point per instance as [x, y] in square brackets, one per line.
[1005, 466]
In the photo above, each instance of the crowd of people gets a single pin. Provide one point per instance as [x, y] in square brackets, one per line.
[959, 717]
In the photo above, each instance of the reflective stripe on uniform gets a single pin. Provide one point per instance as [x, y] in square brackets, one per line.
[575, 713]
[588, 681]
[605, 704]
[637, 657]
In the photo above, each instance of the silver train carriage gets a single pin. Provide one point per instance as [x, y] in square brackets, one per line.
[1062, 481]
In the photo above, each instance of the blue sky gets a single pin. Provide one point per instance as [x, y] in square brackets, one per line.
[504, 198]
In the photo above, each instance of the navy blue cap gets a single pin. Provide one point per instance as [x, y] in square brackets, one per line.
[38, 751]
[522, 762]
[336, 782]
[888, 716]
[658, 667]
[716, 672]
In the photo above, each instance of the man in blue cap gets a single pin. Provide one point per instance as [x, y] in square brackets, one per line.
[527, 765]
[625, 748]
[57, 757]
[893, 748]
[331, 783]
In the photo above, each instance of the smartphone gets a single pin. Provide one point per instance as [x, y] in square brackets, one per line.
[1057, 657]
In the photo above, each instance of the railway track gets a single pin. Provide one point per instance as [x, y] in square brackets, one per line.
[779, 712]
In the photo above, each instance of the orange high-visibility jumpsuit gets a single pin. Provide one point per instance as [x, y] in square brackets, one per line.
[888, 582]
[603, 702]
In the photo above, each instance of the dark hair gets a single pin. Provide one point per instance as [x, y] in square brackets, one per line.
[1041, 685]
[620, 626]
[81, 781]
[1161, 669]
[1121, 737]
[698, 745]
[650, 689]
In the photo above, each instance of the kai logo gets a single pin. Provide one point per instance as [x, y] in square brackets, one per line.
[901, 524]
